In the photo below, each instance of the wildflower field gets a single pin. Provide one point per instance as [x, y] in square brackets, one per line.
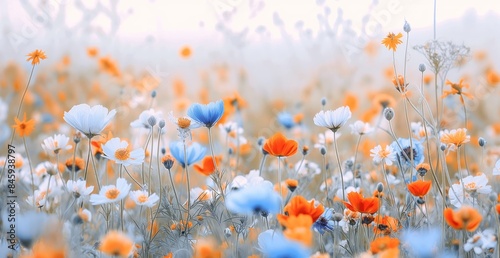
[306, 146]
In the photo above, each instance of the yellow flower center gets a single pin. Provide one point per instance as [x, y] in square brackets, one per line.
[384, 153]
[122, 154]
[112, 193]
[470, 186]
[142, 198]
[183, 122]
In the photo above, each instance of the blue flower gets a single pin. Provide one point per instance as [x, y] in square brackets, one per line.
[195, 152]
[275, 245]
[208, 115]
[286, 120]
[404, 152]
[260, 198]
[324, 222]
[423, 242]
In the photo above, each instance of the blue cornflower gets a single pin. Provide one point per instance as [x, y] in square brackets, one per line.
[324, 222]
[208, 115]
[274, 245]
[404, 152]
[286, 120]
[260, 198]
[195, 152]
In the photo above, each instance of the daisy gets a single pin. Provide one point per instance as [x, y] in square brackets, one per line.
[119, 152]
[147, 119]
[141, 197]
[392, 41]
[361, 128]
[89, 120]
[79, 188]
[333, 119]
[454, 138]
[485, 241]
[56, 143]
[111, 193]
[386, 154]
[184, 125]
[472, 186]
[198, 194]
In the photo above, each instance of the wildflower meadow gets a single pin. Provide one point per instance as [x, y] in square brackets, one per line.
[276, 136]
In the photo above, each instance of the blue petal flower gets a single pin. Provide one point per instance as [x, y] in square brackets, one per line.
[403, 153]
[286, 120]
[423, 242]
[275, 245]
[208, 115]
[324, 222]
[259, 198]
[195, 152]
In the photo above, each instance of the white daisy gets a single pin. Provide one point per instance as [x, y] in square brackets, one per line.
[141, 197]
[56, 143]
[89, 120]
[333, 119]
[198, 194]
[79, 188]
[481, 242]
[473, 186]
[184, 125]
[146, 118]
[119, 152]
[386, 154]
[361, 128]
[111, 193]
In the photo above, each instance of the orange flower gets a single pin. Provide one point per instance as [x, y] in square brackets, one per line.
[298, 228]
[108, 65]
[79, 164]
[208, 165]
[399, 83]
[185, 52]
[92, 51]
[498, 208]
[299, 205]
[36, 56]
[457, 88]
[383, 243]
[392, 41]
[291, 184]
[455, 138]
[465, 218]
[492, 78]
[419, 188]
[278, 145]
[116, 243]
[360, 204]
[386, 225]
[205, 249]
[24, 128]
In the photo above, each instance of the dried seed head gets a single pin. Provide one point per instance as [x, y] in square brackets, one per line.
[389, 113]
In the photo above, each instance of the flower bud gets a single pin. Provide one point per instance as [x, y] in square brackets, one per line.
[153, 94]
[407, 27]
[443, 147]
[389, 113]
[305, 150]
[337, 216]
[323, 102]
[152, 121]
[421, 67]
[323, 151]
[380, 187]
[162, 123]
[481, 141]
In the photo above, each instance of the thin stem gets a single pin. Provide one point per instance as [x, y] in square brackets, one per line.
[188, 187]
[279, 182]
[339, 164]
[262, 161]
[356, 158]
[31, 171]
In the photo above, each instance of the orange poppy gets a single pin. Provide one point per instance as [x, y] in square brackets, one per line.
[298, 228]
[299, 205]
[465, 218]
[208, 165]
[419, 188]
[205, 249]
[278, 145]
[383, 243]
[386, 225]
[23, 127]
[117, 244]
[360, 204]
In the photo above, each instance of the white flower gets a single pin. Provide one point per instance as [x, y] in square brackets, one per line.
[387, 154]
[481, 242]
[144, 119]
[198, 194]
[119, 152]
[419, 131]
[361, 128]
[111, 193]
[184, 125]
[326, 138]
[307, 168]
[333, 119]
[56, 143]
[89, 120]
[79, 188]
[251, 179]
[233, 132]
[496, 169]
[141, 197]
[473, 186]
